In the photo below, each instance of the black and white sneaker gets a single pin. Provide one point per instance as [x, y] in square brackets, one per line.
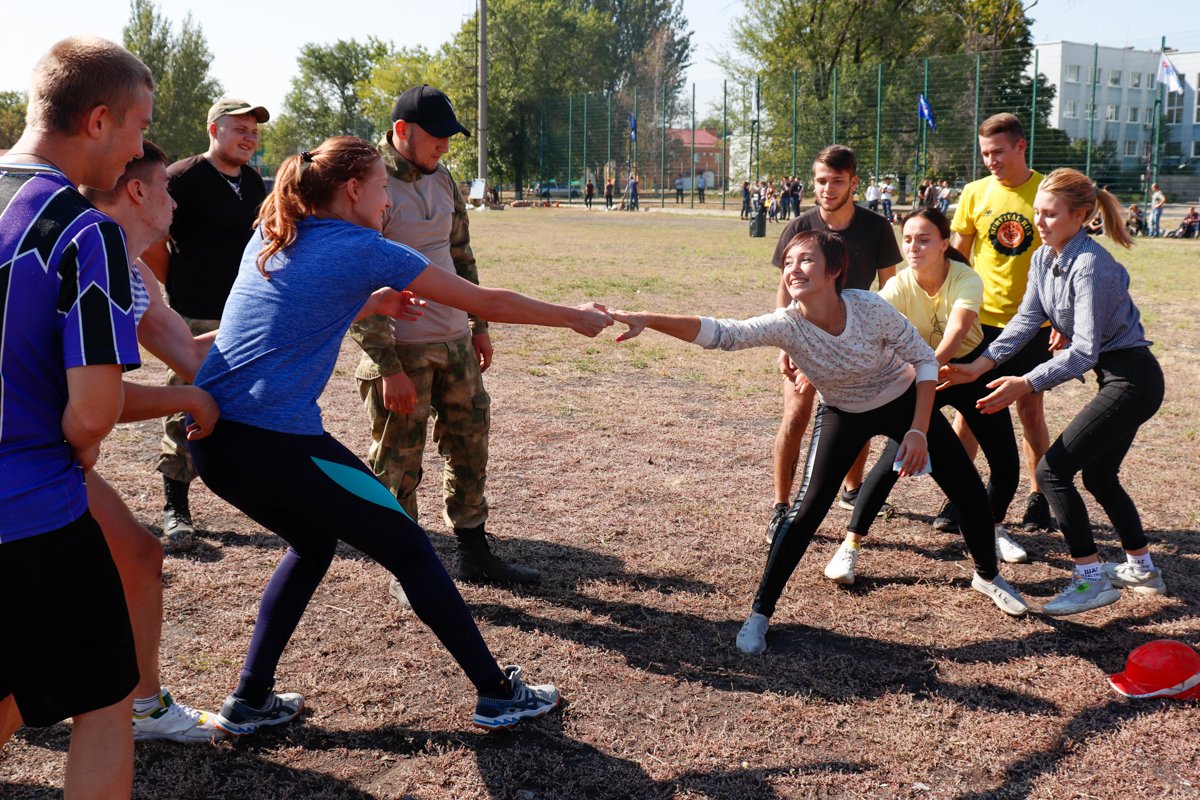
[527, 702]
[1037, 514]
[777, 515]
[848, 497]
[946, 520]
[239, 718]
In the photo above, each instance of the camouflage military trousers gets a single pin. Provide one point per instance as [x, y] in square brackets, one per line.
[174, 460]
[450, 389]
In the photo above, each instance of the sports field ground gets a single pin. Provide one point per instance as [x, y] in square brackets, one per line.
[637, 477]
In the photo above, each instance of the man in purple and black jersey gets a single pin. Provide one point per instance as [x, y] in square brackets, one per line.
[66, 334]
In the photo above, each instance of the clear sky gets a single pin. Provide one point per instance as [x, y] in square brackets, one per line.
[255, 44]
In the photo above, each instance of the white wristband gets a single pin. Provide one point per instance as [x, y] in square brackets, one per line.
[918, 433]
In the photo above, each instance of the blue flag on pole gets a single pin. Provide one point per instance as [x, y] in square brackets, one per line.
[925, 112]
[632, 127]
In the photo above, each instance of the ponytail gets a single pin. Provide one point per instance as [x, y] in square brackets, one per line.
[307, 183]
[1077, 191]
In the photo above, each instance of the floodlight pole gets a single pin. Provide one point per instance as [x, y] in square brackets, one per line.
[481, 133]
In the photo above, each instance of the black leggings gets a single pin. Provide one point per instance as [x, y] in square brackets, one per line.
[837, 438]
[313, 492]
[994, 433]
[1095, 443]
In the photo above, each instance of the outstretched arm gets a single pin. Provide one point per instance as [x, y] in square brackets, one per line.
[503, 305]
[681, 327]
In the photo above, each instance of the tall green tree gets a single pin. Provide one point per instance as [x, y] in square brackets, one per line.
[537, 49]
[180, 63]
[325, 99]
[12, 118]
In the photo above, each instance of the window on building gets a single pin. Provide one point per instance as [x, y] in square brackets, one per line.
[1131, 149]
[1094, 75]
[1149, 80]
[1072, 73]
[1133, 114]
[1089, 111]
[1112, 113]
[1173, 111]
[1196, 149]
[1070, 109]
[1135, 80]
[1114, 77]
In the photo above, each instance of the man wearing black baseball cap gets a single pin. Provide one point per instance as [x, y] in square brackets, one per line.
[218, 195]
[433, 366]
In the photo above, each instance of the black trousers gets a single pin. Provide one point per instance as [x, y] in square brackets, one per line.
[838, 437]
[1095, 443]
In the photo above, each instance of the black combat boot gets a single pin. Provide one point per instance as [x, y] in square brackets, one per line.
[478, 564]
[178, 531]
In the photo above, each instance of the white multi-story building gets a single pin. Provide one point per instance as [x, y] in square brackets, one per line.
[1126, 86]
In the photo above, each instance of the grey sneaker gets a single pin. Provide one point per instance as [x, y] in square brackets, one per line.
[1080, 596]
[1007, 550]
[841, 567]
[1133, 577]
[1006, 598]
[527, 702]
[238, 717]
[752, 638]
[946, 520]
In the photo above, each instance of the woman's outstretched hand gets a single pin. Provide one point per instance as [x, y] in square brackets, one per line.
[591, 319]
[635, 321]
[954, 374]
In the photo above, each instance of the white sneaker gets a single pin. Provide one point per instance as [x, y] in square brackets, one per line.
[752, 638]
[1135, 578]
[1080, 596]
[1006, 598]
[1007, 550]
[841, 567]
[177, 723]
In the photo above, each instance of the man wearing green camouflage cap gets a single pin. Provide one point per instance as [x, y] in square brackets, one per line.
[217, 195]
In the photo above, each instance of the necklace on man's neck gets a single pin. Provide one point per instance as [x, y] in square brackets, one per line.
[45, 161]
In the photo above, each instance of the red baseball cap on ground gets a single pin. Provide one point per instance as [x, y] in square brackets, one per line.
[1162, 668]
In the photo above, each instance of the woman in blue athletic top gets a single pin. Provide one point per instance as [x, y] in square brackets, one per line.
[314, 266]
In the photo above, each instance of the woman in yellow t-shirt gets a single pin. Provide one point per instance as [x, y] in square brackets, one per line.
[940, 295]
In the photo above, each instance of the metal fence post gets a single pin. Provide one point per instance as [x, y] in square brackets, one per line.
[693, 155]
[835, 103]
[570, 136]
[975, 128]
[878, 113]
[755, 143]
[925, 127]
[662, 154]
[793, 123]
[608, 154]
[1092, 116]
[1033, 106]
[724, 142]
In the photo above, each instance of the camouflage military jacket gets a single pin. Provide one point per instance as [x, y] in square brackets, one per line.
[374, 334]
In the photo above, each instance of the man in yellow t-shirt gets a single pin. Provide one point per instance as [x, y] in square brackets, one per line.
[993, 226]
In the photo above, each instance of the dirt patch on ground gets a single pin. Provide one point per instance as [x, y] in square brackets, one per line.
[638, 479]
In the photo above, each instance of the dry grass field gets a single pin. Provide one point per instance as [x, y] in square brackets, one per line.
[637, 477]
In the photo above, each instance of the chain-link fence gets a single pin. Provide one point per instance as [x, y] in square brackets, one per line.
[768, 126]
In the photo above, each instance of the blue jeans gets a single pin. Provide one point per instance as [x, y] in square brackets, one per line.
[1156, 222]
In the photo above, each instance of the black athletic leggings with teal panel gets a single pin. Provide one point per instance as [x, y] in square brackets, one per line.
[313, 492]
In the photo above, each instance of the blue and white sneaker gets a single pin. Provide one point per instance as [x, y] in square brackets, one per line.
[238, 718]
[527, 702]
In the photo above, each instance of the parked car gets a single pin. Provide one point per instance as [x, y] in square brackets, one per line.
[555, 189]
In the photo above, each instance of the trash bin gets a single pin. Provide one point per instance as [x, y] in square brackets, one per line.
[758, 224]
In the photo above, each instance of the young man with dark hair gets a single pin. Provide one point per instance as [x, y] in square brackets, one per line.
[66, 334]
[874, 254]
[993, 227]
[141, 204]
[218, 195]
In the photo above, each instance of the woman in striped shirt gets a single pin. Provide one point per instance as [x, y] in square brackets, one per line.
[1083, 291]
